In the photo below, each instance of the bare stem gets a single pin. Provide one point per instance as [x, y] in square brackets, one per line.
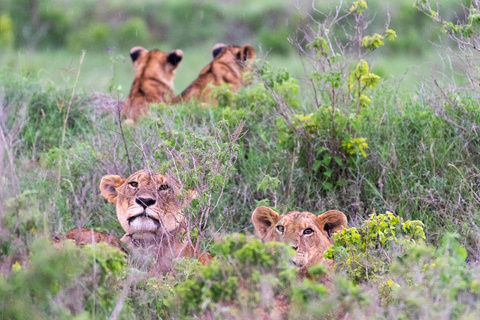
[120, 125]
[66, 119]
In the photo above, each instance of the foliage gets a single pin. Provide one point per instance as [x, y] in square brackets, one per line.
[58, 282]
[361, 251]
[433, 282]
[7, 39]
[248, 277]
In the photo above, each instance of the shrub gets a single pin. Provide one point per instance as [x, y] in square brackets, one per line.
[7, 37]
[362, 252]
[134, 32]
[62, 282]
[96, 36]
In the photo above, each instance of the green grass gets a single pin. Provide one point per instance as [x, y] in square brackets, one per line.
[58, 68]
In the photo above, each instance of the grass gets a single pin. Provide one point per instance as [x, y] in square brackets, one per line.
[98, 70]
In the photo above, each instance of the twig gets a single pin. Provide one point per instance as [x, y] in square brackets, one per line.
[119, 118]
[123, 295]
[12, 166]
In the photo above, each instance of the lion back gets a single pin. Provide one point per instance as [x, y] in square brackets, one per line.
[153, 81]
[228, 65]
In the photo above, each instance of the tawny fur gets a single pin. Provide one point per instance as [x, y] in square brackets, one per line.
[83, 236]
[153, 81]
[228, 66]
[308, 234]
[151, 215]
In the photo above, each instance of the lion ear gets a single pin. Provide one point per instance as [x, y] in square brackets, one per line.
[264, 219]
[109, 185]
[135, 53]
[217, 48]
[332, 221]
[248, 53]
[175, 57]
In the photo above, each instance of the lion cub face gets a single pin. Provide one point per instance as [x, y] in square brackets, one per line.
[146, 203]
[309, 235]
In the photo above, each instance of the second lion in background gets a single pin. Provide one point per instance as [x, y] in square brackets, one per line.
[228, 65]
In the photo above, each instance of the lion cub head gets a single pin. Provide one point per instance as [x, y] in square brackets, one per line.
[153, 82]
[146, 202]
[309, 235]
[228, 65]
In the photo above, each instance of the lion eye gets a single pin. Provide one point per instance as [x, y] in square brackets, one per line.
[308, 231]
[163, 187]
[280, 228]
[133, 184]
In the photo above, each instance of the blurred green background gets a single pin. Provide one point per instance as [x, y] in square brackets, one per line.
[47, 36]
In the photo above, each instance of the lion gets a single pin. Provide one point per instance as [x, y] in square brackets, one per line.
[309, 235]
[83, 236]
[149, 211]
[153, 82]
[227, 66]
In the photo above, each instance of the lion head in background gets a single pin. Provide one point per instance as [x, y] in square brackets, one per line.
[228, 65]
[153, 81]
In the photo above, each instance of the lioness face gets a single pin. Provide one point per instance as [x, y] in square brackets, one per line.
[146, 202]
[309, 235]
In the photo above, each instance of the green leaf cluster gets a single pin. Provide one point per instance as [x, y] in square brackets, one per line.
[360, 250]
[43, 287]
[242, 265]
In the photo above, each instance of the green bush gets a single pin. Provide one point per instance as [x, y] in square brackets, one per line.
[134, 32]
[96, 36]
[362, 251]
[7, 37]
[58, 283]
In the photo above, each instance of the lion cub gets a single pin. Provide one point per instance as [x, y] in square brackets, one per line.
[309, 235]
[228, 65]
[149, 211]
[153, 82]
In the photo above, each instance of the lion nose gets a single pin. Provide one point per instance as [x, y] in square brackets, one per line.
[145, 202]
[295, 248]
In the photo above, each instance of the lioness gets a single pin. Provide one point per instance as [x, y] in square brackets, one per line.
[308, 234]
[149, 211]
[153, 82]
[228, 65]
[83, 236]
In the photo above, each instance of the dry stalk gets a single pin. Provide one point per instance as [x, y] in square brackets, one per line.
[66, 119]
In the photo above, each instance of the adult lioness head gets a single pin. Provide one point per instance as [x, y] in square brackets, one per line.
[228, 65]
[150, 213]
[153, 82]
[308, 234]
[146, 203]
